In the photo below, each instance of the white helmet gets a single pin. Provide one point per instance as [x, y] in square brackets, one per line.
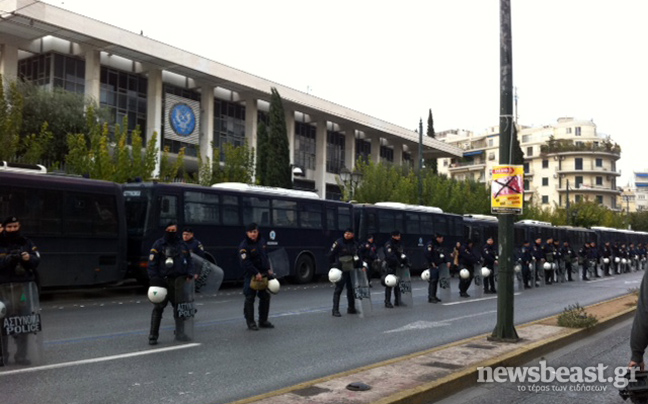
[547, 265]
[334, 275]
[464, 274]
[606, 260]
[617, 260]
[157, 294]
[3, 310]
[517, 268]
[485, 272]
[390, 281]
[425, 275]
[623, 261]
[273, 286]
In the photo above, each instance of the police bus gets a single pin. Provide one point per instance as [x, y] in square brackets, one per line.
[298, 223]
[77, 224]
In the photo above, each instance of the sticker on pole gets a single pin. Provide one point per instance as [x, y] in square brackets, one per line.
[507, 189]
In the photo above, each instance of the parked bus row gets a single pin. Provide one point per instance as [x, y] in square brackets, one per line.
[94, 232]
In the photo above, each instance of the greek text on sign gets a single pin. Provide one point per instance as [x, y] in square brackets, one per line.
[507, 189]
[16, 325]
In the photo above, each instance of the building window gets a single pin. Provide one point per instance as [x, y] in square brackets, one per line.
[578, 163]
[568, 130]
[491, 142]
[545, 163]
[526, 138]
[526, 168]
[545, 199]
[599, 162]
[124, 95]
[545, 181]
[526, 185]
[305, 145]
[363, 150]
[599, 199]
[445, 162]
[386, 154]
[491, 156]
[529, 152]
[578, 131]
[229, 125]
[599, 181]
[579, 181]
[578, 198]
[334, 151]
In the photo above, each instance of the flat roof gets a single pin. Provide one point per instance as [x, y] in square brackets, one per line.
[23, 22]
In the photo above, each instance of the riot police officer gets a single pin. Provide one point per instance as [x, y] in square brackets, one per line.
[369, 255]
[550, 256]
[344, 256]
[19, 259]
[254, 261]
[567, 253]
[592, 258]
[606, 254]
[538, 258]
[526, 259]
[170, 266]
[582, 258]
[467, 260]
[394, 258]
[435, 255]
[489, 255]
[195, 246]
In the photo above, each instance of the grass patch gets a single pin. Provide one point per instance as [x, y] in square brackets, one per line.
[575, 316]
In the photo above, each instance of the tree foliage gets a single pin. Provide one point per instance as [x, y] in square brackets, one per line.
[238, 164]
[433, 163]
[277, 158]
[11, 119]
[262, 155]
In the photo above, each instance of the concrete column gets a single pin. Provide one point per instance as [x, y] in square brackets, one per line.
[251, 122]
[206, 123]
[398, 153]
[93, 75]
[290, 129]
[320, 158]
[349, 149]
[154, 113]
[9, 61]
[375, 148]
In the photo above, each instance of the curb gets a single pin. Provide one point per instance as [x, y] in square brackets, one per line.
[466, 377]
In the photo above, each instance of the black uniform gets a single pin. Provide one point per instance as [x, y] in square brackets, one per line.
[467, 260]
[549, 253]
[196, 247]
[253, 259]
[368, 252]
[16, 270]
[394, 258]
[344, 256]
[582, 258]
[606, 253]
[489, 255]
[568, 254]
[538, 261]
[436, 255]
[169, 266]
[592, 259]
[525, 258]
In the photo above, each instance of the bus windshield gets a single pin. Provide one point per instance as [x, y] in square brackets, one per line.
[136, 211]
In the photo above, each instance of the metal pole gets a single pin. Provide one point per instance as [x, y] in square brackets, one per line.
[420, 163]
[569, 220]
[505, 329]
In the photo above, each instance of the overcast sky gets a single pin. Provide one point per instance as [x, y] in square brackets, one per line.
[395, 60]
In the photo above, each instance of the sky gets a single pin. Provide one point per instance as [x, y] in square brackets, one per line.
[395, 61]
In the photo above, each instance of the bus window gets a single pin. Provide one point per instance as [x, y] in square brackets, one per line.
[390, 221]
[441, 225]
[310, 215]
[168, 209]
[201, 208]
[412, 223]
[344, 218]
[284, 213]
[230, 210]
[427, 226]
[257, 210]
[330, 218]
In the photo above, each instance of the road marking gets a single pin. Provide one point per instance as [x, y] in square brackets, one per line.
[97, 360]
[422, 325]
[601, 280]
[476, 300]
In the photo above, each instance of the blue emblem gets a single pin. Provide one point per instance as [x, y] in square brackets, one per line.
[182, 119]
[273, 235]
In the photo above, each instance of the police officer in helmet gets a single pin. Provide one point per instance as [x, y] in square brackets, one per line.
[394, 259]
[344, 256]
[254, 261]
[169, 266]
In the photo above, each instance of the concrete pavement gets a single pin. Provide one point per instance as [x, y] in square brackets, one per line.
[431, 375]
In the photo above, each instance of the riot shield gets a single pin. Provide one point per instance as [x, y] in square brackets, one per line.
[361, 291]
[21, 333]
[444, 276]
[210, 275]
[279, 263]
[405, 286]
[477, 273]
[185, 309]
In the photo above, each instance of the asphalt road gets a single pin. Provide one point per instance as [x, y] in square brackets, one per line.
[96, 347]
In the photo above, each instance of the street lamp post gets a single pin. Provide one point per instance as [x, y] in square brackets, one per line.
[350, 179]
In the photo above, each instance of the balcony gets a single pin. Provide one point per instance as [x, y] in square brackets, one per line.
[565, 147]
[590, 189]
[587, 168]
[466, 166]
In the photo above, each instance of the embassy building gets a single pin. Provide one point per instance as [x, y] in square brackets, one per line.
[191, 101]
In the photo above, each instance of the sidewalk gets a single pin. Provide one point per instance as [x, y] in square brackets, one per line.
[431, 375]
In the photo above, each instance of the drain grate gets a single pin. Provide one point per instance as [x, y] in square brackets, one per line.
[479, 346]
[310, 391]
[443, 365]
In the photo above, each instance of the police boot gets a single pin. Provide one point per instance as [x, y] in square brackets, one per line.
[336, 305]
[264, 310]
[388, 298]
[248, 311]
[351, 299]
[156, 319]
[179, 331]
[397, 298]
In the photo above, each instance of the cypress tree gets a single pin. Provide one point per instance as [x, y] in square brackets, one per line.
[430, 133]
[278, 150]
[262, 154]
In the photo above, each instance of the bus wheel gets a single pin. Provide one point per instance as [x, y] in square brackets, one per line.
[304, 269]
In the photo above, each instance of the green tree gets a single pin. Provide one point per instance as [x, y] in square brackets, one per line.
[278, 151]
[433, 163]
[262, 160]
[11, 119]
[34, 146]
[239, 164]
[171, 171]
[516, 149]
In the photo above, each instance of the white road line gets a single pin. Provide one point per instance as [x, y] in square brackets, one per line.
[476, 300]
[97, 360]
[601, 280]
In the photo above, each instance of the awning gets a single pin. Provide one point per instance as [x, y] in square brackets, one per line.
[473, 153]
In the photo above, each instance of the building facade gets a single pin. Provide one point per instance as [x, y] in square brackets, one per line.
[190, 101]
[568, 159]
